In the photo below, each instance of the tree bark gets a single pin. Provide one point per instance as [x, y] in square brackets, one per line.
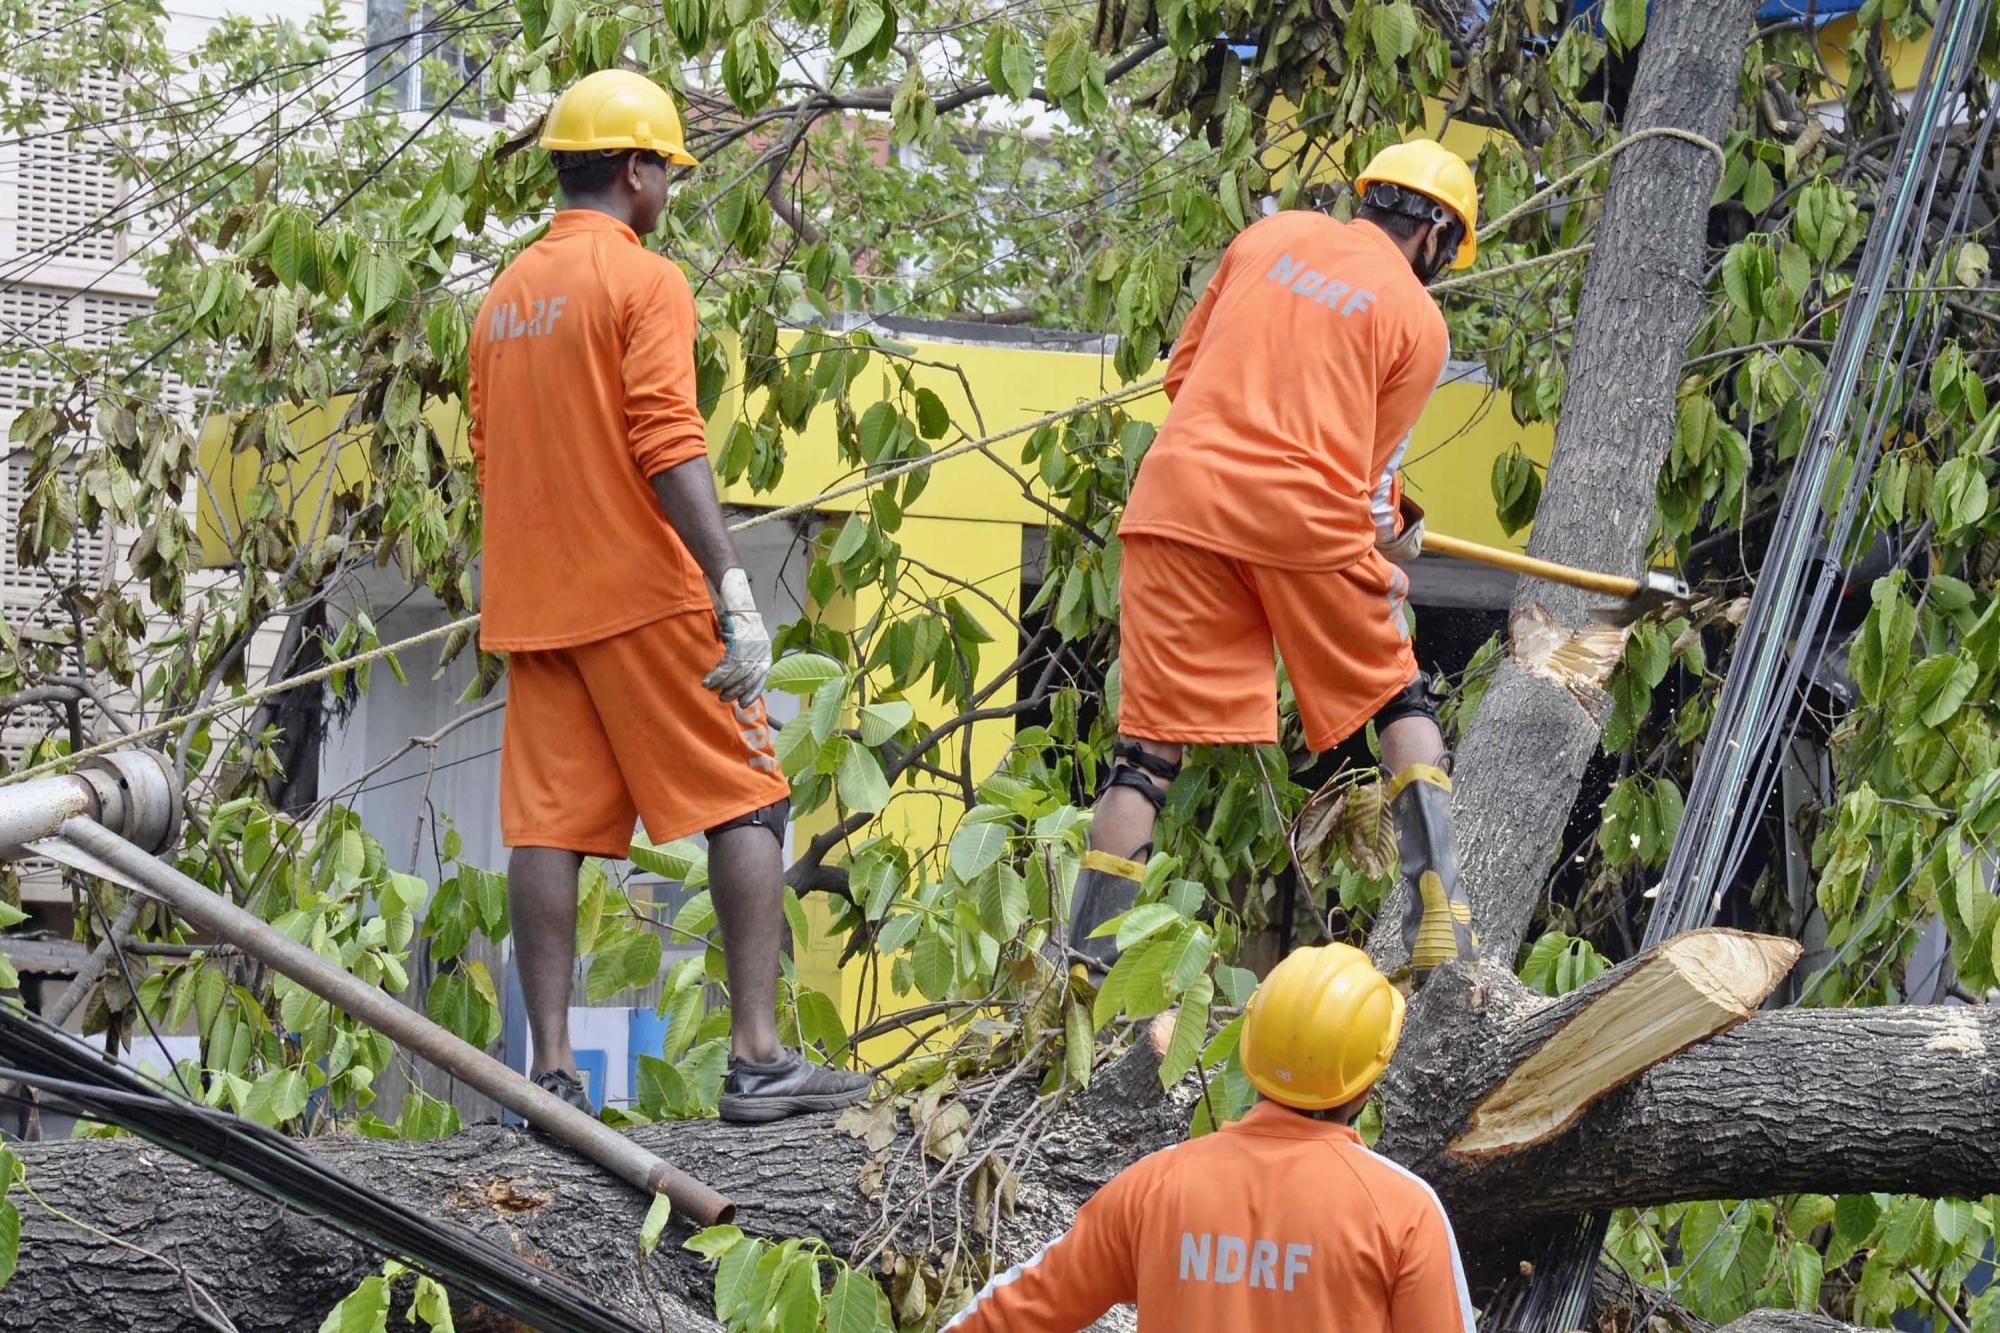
[271, 1269]
[1523, 757]
[1830, 1101]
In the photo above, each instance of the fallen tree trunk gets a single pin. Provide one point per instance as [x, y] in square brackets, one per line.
[1829, 1101]
[272, 1270]
[1823, 1100]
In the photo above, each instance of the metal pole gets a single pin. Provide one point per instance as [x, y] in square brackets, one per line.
[368, 1004]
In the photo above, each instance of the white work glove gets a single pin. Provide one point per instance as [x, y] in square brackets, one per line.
[1408, 544]
[746, 644]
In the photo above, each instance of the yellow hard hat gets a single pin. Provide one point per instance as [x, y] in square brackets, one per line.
[616, 108]
[1435, 172]
[1321, 1028]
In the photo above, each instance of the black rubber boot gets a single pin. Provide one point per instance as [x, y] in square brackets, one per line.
[1437, 918]
[1106, 887]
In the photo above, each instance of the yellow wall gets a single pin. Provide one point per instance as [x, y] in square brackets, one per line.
[331, 458]
[988, 556]
[1462, 430]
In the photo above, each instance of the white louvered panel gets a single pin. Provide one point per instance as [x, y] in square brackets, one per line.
[105, 318]
[66, 187]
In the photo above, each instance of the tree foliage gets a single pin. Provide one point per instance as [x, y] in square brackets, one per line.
[311, 246]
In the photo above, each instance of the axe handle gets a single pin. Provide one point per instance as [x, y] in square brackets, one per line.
[1438, 543]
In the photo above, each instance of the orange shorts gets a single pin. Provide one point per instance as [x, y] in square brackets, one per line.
[601, 734]
[1197, 630]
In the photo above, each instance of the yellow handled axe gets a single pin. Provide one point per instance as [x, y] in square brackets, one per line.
[1637, 596]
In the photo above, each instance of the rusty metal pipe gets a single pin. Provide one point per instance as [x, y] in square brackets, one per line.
[403, 1025]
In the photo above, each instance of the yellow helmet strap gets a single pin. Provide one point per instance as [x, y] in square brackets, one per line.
[1444, 239]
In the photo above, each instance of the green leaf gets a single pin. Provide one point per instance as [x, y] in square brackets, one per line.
[802, 673]
[1624, 23]
[1941, 686]
[864, 21]
[11, 915]
[1959, 495]
[1394, 28]
[1953, 1219]
[1079, 1043]
[1067, 56]
[860, 780]
[657, 1217]
[630, 960]
[932, 418]
[1854, 1218]
[712, 1243]
[1909, 1225]
[10, 1240]
[1009, 62]
[975, 847]
[1190, 1032]
[363, 1310]
[678, 861]
[856, 1305]
[278, 1095]
[932, 965]
[1141, 922]
[880, 721]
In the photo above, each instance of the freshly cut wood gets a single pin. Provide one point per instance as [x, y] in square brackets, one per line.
[1603, 1035]
[1823, 1101]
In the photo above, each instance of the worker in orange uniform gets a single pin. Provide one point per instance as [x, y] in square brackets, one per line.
[637, 656]
[1280, 1221]
[1270, 508]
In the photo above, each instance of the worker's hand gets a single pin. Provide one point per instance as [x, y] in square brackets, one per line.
[1409, 543]
[746, 644]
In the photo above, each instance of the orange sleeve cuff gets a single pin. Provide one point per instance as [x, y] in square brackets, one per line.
[669, 447]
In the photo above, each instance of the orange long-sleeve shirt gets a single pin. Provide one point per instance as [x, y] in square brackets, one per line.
[1295, 382]
[582, 389]
[1275, 1223]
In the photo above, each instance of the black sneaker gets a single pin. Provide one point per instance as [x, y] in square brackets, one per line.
[754, 1094]
[568, 1087]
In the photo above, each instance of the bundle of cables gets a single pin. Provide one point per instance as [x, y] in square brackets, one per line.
[75, 1079]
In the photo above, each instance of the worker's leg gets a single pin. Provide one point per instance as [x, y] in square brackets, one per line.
[694, 763]
[1121, 837]
[746, 881]
[561, 799]
[1196, 666]
[541, 907]
[1437, 917]
[1412, 738]
[1345, 637]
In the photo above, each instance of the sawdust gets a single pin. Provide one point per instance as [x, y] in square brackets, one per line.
[1961, 1037]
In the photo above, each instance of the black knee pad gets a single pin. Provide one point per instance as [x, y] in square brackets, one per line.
[1414, 701]
[773, 817]
[1129, 766]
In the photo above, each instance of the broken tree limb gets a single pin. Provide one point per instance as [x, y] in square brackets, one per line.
[1903, 1100]
[1564, 1056]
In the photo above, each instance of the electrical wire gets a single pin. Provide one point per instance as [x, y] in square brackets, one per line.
[76, 1079]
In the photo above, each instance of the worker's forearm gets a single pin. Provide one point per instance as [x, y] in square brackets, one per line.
[687, 494]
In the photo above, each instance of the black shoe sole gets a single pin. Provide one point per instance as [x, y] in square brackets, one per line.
[741, 1110]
